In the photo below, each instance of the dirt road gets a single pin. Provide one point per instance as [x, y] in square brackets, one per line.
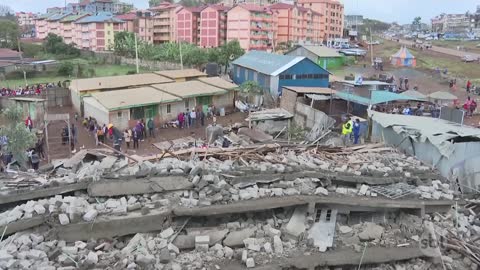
[448, 51]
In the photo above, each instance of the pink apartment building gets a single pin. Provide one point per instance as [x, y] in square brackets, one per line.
[96, 33]
[188, 24]
[129, 19]
[332, 19]
[164, 22]
[41, 29]
[25, 18]
[253, 26]
[143, 25]
[297, 24]
[213, 26]
[68, 27]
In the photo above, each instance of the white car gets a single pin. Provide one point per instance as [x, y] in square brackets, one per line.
[469, 58]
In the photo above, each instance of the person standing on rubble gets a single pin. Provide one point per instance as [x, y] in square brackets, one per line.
[117, 136]
[193, 117]
[347, 128]
[356, 131]
[151, 127]
[135, 137]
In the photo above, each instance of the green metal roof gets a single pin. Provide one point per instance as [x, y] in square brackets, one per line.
[73, 18]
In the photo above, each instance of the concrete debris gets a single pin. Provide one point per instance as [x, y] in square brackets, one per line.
[193, 213]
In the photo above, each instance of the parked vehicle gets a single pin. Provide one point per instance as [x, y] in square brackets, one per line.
[469, 58]
[353, 52]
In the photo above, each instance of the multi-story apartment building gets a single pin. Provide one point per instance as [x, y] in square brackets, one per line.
[454, 23]
[129, 21]
[41, 29]
[333, 16]
[53, 23]
[96, 32]
[188, 24]
[253, 26]
[232, 3]
[143, 25]
[297, 24]
[213, 26]
[25, 18]
[68, 27]
[164, 22]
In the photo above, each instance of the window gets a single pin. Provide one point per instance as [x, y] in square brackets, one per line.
[294, 77]
[282, 77]
[187, 104]
[108, 32]
[316, 76]
[246, 74]
[119, 115]
[238, 72]
[169, 108]
[310, 76]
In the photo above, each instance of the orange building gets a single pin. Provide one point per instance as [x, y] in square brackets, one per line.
[253, 26]
[333, 16]
[297, 24]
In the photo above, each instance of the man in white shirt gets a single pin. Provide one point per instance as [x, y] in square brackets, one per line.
[193, 116]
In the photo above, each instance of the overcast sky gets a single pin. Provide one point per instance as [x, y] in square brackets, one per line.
[402, 11]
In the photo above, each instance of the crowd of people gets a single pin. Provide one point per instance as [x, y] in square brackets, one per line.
[194, 118]
[29, 90]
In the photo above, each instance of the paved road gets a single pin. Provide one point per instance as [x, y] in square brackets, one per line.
[443, 50]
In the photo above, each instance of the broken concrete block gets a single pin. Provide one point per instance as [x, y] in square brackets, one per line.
[321, 191]
[173, 248]
[250, 263]
[252, 244]
[202, 239]
[201, 247]
[92, 258]
[371, 232]
[64, 220]
[345, 229]
[244, 255]
[363, 190]
[278, 245]
[167, 233]
[144, 260]
[268, 247]
[90, 215]
[296, 225]
[228, 252]
[235, 239]
[5, 256]
[164, 256]
[39, 209]
[273, 232]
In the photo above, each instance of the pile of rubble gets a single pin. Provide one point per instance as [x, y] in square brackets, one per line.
[263, 206]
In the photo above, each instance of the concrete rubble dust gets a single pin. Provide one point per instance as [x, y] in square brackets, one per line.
[285, 208]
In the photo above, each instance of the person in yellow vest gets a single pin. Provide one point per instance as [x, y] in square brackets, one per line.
[347, 129]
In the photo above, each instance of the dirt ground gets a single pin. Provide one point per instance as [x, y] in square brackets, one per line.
[86, 140]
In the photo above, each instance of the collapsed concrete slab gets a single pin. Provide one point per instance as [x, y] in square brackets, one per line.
[111, 226]
[138, 186]
[338, 258]
[333, 201]
[30, 194]
[22, 224]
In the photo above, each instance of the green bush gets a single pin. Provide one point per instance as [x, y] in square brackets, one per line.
[66, 69]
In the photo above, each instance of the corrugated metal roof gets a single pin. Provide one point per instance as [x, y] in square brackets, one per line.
[58, 16]
[438, 131]
[377, 97]
[218, 82]
[413, 93]
[115, 82]
[311, 90]
[322, 51]
[442, 95]
[72, 18]
[181, 73]
[134, 97]
[100, 17]
[190, 89]
[267, 63]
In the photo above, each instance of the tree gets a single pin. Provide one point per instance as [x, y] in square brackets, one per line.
[19, 139]
[54, 44]
[416, 24]
[5, 11]
[124, 43]
[66, 69]
[229, 52]
[190, 3]
[9, 34]
[250, 89]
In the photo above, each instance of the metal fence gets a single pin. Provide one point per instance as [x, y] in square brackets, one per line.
[452, 115]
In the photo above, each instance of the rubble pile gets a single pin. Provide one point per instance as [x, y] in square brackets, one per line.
[295, 208]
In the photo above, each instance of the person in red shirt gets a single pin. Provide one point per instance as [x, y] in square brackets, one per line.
[29, 123]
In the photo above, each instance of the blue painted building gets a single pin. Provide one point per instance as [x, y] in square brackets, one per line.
[273, 71]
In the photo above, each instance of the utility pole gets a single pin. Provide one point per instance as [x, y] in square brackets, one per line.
[181, 56]
[371, 45]
[21, 61]
[136, 52]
